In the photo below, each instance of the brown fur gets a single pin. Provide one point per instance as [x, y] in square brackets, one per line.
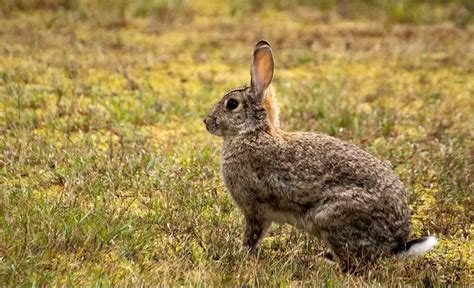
[271, 106]
[349, 199]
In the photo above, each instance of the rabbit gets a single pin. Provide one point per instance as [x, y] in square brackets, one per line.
[353, 202]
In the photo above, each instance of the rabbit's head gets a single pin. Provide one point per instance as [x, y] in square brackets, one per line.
[247, 109]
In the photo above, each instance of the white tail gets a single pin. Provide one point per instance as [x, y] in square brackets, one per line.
[419, 246]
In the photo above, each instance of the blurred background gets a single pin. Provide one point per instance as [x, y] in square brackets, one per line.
[108, 176]
[404, 11]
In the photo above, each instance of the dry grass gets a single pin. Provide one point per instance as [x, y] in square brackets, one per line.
[108, 177]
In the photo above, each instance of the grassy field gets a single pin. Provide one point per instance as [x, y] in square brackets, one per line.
[108, 177]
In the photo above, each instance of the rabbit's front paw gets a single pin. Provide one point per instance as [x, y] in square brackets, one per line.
[251, 251]
[254, 230]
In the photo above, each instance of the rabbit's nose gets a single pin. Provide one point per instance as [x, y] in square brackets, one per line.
[208, 119]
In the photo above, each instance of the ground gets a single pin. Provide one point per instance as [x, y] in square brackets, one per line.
[108, 177]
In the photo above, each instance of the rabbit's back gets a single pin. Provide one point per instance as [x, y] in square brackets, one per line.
[305, 165]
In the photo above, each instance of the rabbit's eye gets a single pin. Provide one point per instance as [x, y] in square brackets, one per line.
[232, 104]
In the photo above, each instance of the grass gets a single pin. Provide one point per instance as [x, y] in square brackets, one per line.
[108, 177]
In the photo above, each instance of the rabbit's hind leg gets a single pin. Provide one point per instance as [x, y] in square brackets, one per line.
[351, 232]
[353, 255]
[328, 256]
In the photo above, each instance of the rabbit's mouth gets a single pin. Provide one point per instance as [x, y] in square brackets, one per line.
[211, 126]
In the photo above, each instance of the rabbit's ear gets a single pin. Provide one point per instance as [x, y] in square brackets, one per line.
[262, 68]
